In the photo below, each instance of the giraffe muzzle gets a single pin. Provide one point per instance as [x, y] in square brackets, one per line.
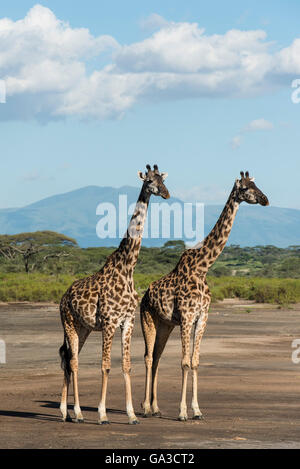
[165, 195]
[264, 201]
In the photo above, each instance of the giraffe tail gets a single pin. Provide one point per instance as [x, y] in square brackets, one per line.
[65, 356]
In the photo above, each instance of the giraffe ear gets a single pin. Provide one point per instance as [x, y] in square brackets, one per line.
[252, 179]
[141, 175]
[164, 176]
[238, 183]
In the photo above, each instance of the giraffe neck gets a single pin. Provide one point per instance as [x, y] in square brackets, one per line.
[215, 241]
[131, 243]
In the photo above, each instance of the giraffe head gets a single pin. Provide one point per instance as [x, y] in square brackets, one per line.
[248, 192]
[154, 182]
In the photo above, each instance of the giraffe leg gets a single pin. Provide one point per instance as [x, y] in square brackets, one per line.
[65, 363]
[185, 366]
[77, 409]
[65, 355]
[126, 329]
[74, 337]
[198, 333]
[76, 343]
[107, 334]
[149, 332]
[163, 333]
[64, 399]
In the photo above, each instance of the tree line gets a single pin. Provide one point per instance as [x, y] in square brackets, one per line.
[53, 253]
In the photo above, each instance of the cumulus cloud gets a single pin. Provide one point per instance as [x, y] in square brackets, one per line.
[259, 124]
[208, 194]
[183, 48]
[41, 60]
[236, 142]
[46, 65]
[253, 126]
[152, 22]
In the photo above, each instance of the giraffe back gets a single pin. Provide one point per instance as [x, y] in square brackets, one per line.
[107, 296]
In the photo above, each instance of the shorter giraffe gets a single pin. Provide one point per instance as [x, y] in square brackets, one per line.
[182, 298]
[104, 301]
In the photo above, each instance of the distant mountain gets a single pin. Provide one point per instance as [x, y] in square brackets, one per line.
[74, 214]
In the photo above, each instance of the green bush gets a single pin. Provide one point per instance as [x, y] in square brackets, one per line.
[34, 287]
[44, 287]
[260, 290]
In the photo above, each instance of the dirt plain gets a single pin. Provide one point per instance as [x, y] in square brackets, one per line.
[249, 387]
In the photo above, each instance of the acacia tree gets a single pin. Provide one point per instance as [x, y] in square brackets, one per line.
[175, 244]
[29, 245]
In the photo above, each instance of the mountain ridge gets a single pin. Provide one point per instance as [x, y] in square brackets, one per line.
[73, 213]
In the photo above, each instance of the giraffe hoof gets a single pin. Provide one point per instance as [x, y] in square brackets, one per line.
[198, 417]
[157, 414]
[67, 419]
[148, 415]
[134, 422]
[103, 422]
[182, 419]
[79, 420]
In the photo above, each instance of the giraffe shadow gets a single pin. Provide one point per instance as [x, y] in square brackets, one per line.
[54, 418]
[28, 415]
[55, 405]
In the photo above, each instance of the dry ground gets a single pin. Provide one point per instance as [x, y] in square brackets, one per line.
[249, 388]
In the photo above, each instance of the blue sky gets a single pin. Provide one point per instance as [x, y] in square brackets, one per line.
[149, 82]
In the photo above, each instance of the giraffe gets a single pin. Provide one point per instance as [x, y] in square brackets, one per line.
[104, 301]
[182, 298]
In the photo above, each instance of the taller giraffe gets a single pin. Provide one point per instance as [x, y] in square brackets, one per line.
[182, 298]
[104, 301]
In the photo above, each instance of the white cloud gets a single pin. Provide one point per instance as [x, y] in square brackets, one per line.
[253, 126]
[31, 177]
[236, 142]
[259, 124]
[288, 59]
[152, 22]
[43, 61]
[210, 194]
[184, 48]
